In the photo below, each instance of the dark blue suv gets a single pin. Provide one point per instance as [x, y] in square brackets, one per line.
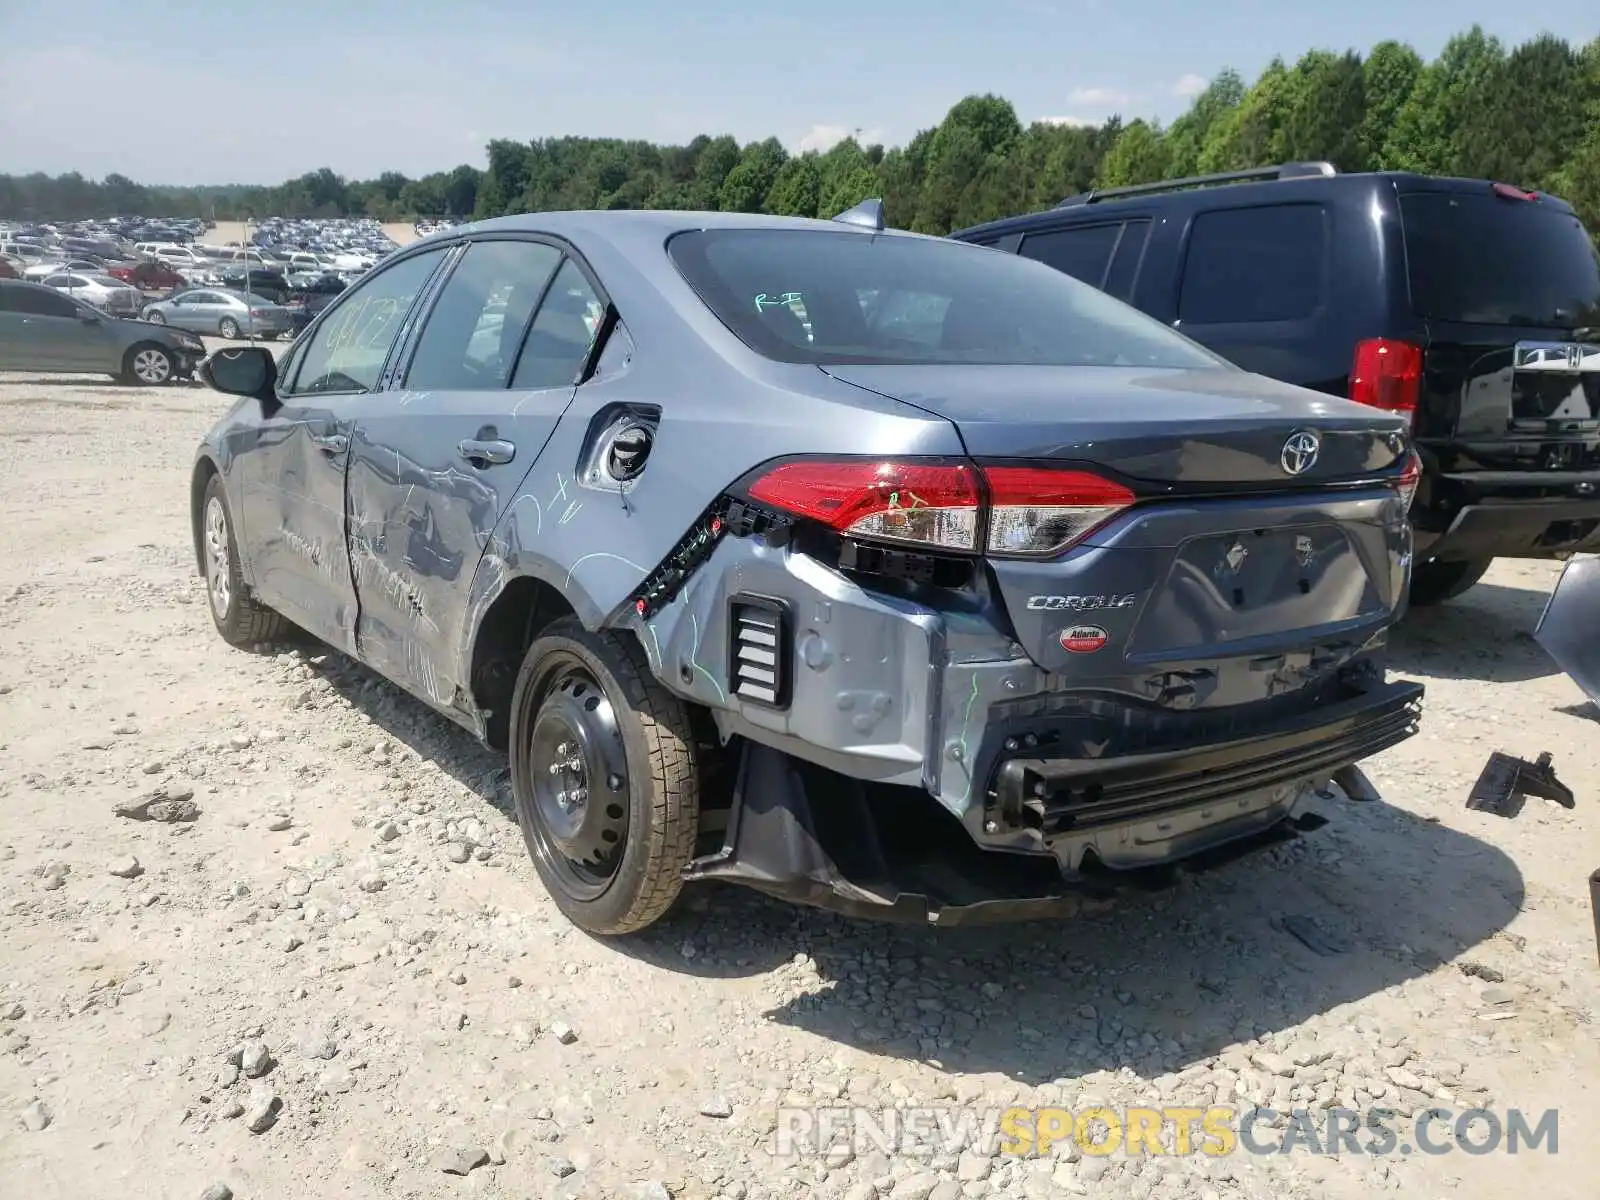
[1473, 306]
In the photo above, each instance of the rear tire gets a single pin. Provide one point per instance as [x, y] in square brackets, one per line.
[228, 328]
[1437, 581]
[239, 618]
[605, 775]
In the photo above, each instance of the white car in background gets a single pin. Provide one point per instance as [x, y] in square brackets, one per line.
[108, 294]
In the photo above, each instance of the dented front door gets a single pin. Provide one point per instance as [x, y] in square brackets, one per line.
[437, 458]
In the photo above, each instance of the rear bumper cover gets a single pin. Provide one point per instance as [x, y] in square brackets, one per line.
[1511, 515]
[810, 836]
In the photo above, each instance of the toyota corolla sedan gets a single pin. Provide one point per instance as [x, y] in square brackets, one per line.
[879, 572]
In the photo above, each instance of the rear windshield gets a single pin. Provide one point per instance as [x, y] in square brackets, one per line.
[1494, 261]
[816, 296]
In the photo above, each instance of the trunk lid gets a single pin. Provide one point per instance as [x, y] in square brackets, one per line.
[1180, 431]
[1231, 580]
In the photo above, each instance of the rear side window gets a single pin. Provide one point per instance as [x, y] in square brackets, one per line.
[1254, 264]
[1487, 260]
[1084, 252]
[558, 342]
[472, 334]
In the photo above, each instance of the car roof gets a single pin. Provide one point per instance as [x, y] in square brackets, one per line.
[621, 227]
[1089, 205]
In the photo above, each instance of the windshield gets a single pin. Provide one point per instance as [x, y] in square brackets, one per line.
[1487, 260]
[816, 296]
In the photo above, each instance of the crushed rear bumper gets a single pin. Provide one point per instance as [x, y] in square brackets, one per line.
[800, 832]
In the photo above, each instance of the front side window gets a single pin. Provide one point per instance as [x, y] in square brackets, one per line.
[44, 304]
[472, 334]
[350, 345]
[562, 332]
[896, 299]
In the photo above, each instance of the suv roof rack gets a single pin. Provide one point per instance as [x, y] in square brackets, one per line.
[1293, 170]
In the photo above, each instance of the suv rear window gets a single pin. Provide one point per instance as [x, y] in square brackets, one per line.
[816, 296]
[1486, 260]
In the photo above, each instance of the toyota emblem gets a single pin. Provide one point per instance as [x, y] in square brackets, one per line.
[1300, 453]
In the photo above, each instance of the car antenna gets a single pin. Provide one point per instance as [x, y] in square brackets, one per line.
[868, 214]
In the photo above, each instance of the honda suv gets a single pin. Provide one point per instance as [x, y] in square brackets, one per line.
[1471, 307]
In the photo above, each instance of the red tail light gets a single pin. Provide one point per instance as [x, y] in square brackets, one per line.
[1387, 374]
[258, 312]
[931, 505]
[1409, 479]
[1036, 510]
[1030, 510]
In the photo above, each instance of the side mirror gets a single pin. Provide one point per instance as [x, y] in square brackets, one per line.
[243, 371]
[89, 318]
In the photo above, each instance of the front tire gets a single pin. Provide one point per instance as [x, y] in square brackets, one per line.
[155, 317]
[148, 365]
[239, 618]
[1435, 582]
[606, 779]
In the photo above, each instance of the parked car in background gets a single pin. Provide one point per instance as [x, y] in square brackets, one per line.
[151, 275]
[44, 269]
[759, 581]
[259, 281]
[225, 313]
[1470, 308]
[42, 329]
[105, 292]
[305, 303]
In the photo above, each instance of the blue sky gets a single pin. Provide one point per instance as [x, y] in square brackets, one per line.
[190, 91]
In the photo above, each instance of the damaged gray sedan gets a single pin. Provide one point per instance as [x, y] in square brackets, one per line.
[875, 571]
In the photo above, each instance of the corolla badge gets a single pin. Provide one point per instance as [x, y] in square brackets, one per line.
[1081, 603]
[1300, 452]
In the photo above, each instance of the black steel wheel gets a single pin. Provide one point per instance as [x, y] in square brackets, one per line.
[604, 776]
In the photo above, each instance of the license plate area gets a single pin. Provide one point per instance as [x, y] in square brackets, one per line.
[1230, 587]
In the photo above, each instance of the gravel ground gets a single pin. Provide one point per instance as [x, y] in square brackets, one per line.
[340, 976]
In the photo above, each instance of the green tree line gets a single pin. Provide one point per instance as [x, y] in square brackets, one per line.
[1528, 115]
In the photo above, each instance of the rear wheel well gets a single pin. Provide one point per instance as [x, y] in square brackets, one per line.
[519, 614]
[203, 471]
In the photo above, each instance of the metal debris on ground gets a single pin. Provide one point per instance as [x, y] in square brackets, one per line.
[1594, 907]
[1506, 782]
[1312, 936]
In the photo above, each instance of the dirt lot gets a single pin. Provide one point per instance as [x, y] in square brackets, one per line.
[354, 896]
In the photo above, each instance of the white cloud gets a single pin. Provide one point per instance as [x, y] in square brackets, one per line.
[1107, 98]
[823, 138]
[1189, 86]
[1075, 122]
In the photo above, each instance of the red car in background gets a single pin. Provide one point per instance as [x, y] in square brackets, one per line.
[148, 276]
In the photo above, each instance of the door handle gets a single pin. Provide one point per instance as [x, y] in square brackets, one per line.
[480, 452]
[330, 443]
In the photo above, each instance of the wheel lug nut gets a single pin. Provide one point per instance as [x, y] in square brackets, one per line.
[579, 795]
[555, 768]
